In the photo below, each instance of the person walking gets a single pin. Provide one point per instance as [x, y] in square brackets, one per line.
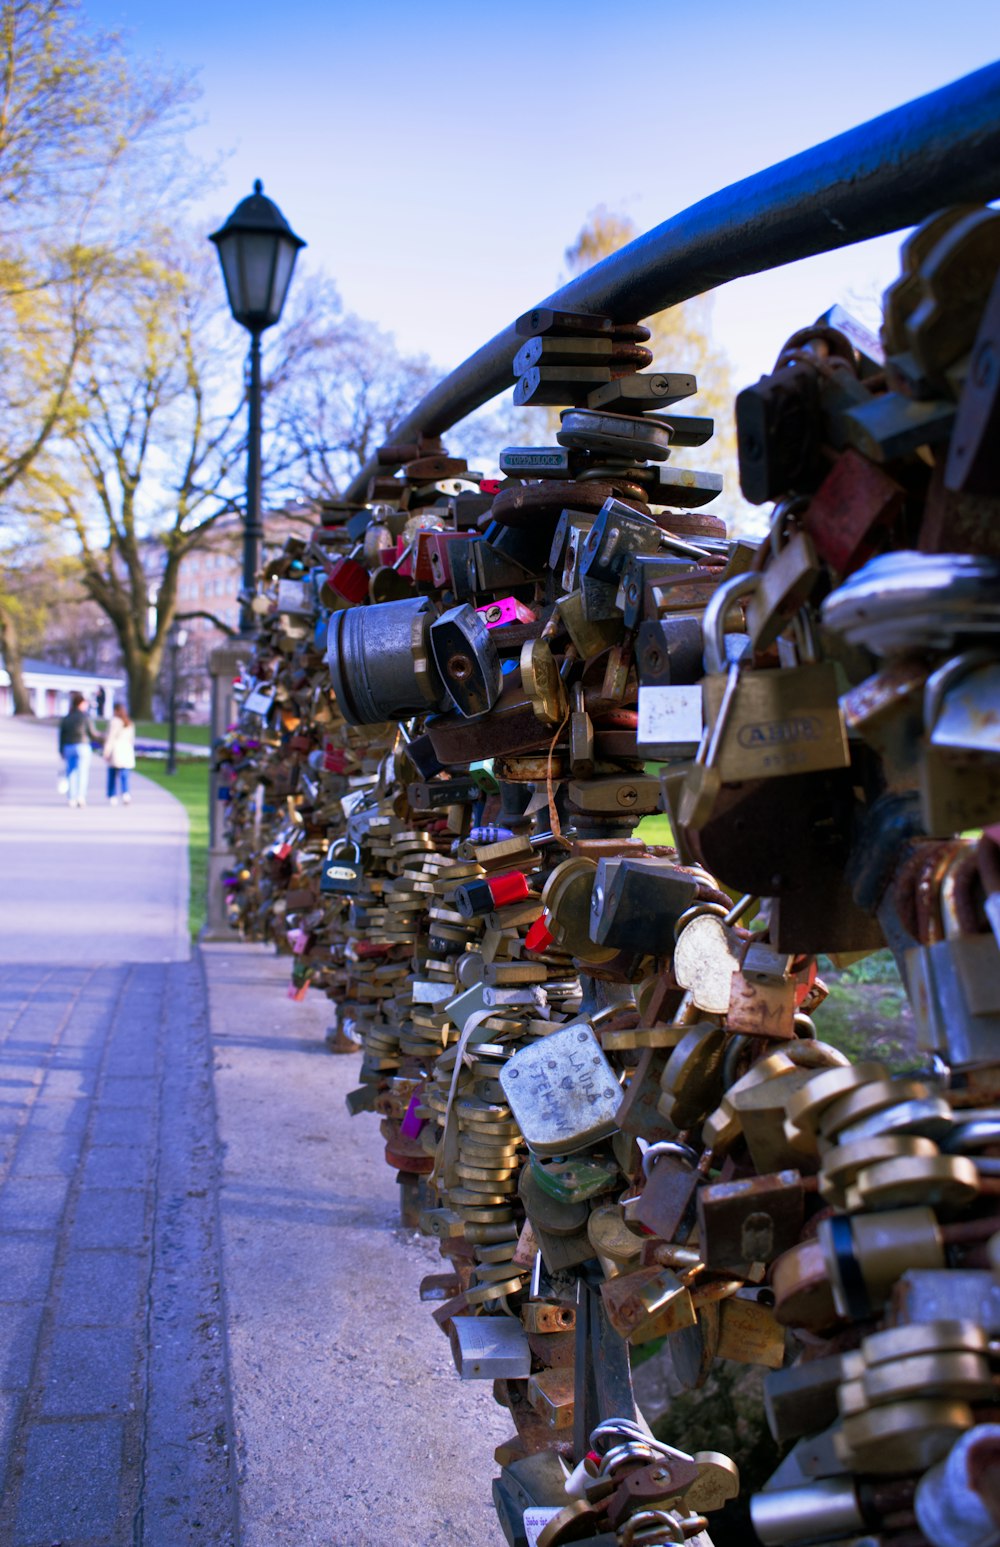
[76, 735]
[119, 754]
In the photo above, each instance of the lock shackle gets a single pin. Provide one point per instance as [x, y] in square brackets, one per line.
[614, 1431]
[696, 911]
[806, 637]
[791, 505]
[667, 1147]
[945, 677]
[714, 622]
[342, 844]
[957, 894]
[628, 1451]
[647, 1528]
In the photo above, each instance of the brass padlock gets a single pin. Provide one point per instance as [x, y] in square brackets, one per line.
[781, 721]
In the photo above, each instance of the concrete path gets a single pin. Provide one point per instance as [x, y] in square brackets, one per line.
[101, 884]
[202, 1344]
[352, 1426]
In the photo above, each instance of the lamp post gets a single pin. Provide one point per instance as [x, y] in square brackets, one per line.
[257, 250]
[176, 640]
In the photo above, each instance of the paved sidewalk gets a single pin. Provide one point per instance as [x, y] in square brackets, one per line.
[113, 1399]
[114, 1416]
[209, 1337]
[101, 884]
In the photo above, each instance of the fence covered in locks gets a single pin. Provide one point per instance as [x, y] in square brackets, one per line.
[558, 792]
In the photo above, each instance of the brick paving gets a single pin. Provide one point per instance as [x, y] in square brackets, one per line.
[114, 1413]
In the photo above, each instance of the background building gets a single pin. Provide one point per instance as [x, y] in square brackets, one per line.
[50, 686]
[208, 605]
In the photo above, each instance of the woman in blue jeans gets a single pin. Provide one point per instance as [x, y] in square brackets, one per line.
[119, 754]
[76, 732]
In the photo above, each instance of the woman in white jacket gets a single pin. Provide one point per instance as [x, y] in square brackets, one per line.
[119, 753]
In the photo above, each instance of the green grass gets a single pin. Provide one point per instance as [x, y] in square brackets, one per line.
[190, 786]
[867, 1014]
[159, 730]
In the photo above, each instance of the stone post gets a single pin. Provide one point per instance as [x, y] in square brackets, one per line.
[224, 665]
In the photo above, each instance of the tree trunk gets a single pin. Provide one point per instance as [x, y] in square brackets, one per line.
[10, 646]
[141, 682]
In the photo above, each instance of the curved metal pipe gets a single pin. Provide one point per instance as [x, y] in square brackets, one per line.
[882, 176]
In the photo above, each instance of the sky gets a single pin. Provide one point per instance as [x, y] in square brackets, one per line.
[440, 157]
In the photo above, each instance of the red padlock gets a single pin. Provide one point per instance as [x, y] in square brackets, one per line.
[539, 936]
[474, 898]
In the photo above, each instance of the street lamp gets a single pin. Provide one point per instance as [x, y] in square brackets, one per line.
[257, 250]
[176, 640]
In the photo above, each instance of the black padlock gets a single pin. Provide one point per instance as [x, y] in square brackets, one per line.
[342, 868]
[467, 659]
[669, 651]
[636, 902]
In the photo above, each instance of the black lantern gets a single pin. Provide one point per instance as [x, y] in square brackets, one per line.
[257, 249]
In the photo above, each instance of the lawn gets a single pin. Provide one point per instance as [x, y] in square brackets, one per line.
[159, 730]
[190, 786]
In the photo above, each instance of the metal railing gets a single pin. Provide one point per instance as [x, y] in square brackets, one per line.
[882, 176]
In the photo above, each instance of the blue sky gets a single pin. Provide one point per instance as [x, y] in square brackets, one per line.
[439, 158]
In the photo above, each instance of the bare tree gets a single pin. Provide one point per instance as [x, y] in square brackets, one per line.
[343, 385]
[152, 458]
[88, 144]
[681, 340]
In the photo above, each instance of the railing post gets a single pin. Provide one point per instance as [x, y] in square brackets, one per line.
[224, 664]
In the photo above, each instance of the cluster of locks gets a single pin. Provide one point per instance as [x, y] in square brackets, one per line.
[590, 1039]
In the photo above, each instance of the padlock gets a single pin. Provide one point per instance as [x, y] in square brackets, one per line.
[779, 431]
[619, 532]
[952, 987]
[972, 466]
[974, 953]
[671, 720]
[342, 868]
[865, 1255]
[380, 661]
[534, 462]
[647, 1303]
[561, 349]
[960, 765]
[657, 390]
[669, 650]
[347, 578]
[620, 435]
[855, 504]
[685, 489]
[703, 779]
[787, 579]
[666, 1205]
[581, 737]
[562, 1091]
[467, 659]
[542, 683]
[550, 385]
[780, 722]
[648, 581]
[547, 320]
[740, 1223]
[589, 637]
[635, 903]
[956, 276]
[567, 541]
